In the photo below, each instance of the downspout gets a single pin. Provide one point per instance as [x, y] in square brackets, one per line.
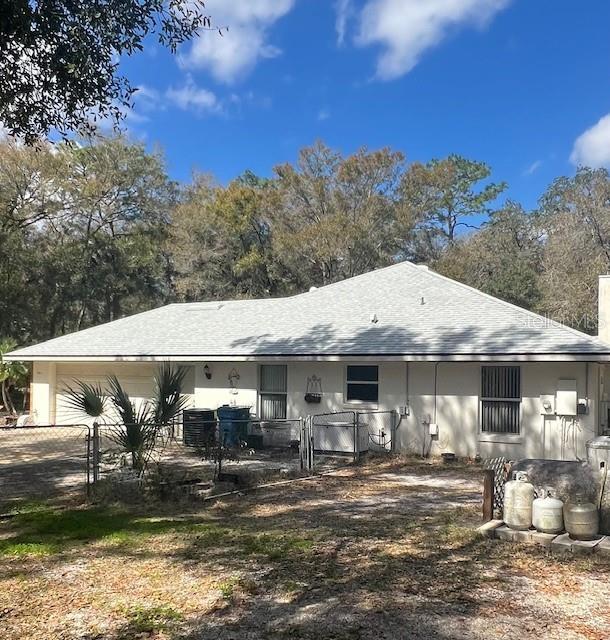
[408, 401]
[435, 389]
[435, 411]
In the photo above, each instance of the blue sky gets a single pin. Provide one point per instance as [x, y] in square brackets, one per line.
[521, 84]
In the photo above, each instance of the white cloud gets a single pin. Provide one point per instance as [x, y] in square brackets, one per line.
[533, 168]
[344, 13]
[238, 50]
[592, 148]
[323, 114]
[191, 97]
[147, 99]
[405, 29]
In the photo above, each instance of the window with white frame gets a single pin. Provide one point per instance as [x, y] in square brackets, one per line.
[362, 383]
[500, 399]
[273, 391]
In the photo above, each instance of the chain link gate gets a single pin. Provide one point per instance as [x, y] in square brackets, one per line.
[328, 438]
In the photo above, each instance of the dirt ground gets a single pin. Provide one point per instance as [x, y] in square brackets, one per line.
[44, 461]
[383, 550]
[52, 461]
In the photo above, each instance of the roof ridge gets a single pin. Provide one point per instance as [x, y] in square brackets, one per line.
[515, 307]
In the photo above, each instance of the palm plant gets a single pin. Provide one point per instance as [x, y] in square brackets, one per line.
[138, 428]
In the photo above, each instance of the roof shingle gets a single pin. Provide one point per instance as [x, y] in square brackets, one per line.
[418, 313]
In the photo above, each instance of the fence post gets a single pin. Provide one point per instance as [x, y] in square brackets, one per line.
[356, 435]
[488, 494]
[311, 462]
[96, 452]
[302, 450]
[88, 486]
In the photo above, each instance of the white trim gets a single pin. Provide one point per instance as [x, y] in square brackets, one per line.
[501, 438]
[504, 357]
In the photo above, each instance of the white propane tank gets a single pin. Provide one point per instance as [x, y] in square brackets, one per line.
[518, 499]
[547, 514]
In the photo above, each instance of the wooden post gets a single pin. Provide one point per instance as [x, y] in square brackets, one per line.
[488, 495]
[96, 452]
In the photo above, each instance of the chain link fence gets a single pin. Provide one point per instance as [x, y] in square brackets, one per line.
[198, 454]
[48, 461]
[38, 462]
[499, 467]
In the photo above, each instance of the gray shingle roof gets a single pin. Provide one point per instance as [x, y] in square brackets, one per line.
[418, 312]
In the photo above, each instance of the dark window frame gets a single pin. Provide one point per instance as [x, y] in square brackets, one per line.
[501, 400]
[359, 384]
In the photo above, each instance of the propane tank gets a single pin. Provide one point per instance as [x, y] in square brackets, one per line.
[518, 499]
[581, 518]
[547, 514]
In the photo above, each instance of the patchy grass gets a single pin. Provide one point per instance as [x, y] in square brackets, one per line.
[386, 549]
[147, 620]
[55, 531]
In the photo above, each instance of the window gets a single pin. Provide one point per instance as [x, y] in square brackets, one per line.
[273, 392]
[500, 399]
[362, 383]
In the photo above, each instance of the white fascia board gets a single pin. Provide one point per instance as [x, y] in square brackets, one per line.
[496, 357]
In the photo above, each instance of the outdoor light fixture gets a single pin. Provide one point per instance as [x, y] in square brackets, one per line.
[207, 371]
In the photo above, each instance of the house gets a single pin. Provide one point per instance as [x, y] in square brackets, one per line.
[483, 376]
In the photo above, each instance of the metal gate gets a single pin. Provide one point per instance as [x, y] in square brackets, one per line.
[346, 434]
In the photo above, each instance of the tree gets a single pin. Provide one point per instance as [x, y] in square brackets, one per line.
[12, 374]
[82, 233]
[336, 217]
[59, 59]
[575, 216]
[29, 191]
[118, 202]
[221, 241]
[502, 259]
[439, 197]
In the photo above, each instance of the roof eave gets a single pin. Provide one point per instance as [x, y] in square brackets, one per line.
[387, 357]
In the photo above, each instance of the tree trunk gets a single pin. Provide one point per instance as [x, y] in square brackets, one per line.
[6, 398]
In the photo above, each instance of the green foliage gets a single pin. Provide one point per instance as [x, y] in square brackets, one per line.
[59, 59]
[86, 399]
[574, 215]
[82, 235]
[12, 374]
[337, 216]
[441, 196]
[168, 400]
[503, 259]
[92, 233]
[138, 428]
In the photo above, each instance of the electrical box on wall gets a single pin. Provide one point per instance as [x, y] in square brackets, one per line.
[433, 429]
[403, 410]
[547, 404]
[583, 406]
[566, 399]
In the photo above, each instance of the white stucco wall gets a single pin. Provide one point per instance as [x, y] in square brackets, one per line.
[456, 409]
